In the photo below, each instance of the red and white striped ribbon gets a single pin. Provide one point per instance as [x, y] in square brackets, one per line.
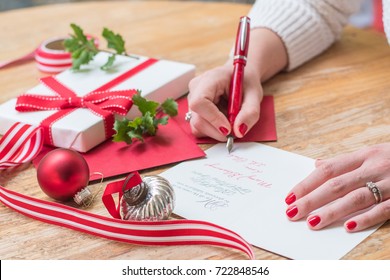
[20, 145]
[50, 56]
[53, 60]
[171, 232]
[22, 142]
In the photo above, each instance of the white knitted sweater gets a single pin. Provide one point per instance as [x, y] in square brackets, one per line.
[308, 27]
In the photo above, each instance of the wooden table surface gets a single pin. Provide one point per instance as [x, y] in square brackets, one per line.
[337, 103]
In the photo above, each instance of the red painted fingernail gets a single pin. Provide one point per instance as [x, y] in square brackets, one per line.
[315, 220]
[243, 128]
[351, 225]
[292, 211]
[290, 198]
[224, 130]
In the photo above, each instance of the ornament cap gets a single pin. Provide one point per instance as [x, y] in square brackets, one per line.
[83, 196]
[136, 194]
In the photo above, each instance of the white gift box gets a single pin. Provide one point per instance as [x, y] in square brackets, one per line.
[82, 129]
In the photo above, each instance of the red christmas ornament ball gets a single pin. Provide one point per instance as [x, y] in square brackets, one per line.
[62, 173]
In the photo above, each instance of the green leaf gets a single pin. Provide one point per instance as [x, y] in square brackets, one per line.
[76, 53]
[148, 124]
[114, 41]
[109, 63]
[134, 134]
[169, 107]
[144, 105]
[90, 45]
[82, 59]
[79, 33]
[82, 49]
[120, 126]
[162, 121]
[134, 124]
[71, 44]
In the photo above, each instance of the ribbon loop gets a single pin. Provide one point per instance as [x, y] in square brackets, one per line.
[111, 101]
[132, 180]
[19, 145]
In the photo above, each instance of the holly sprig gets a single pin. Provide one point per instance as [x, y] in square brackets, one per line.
[153, 115]
[84, 49]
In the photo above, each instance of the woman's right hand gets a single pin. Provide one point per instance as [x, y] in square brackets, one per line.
[208, 99]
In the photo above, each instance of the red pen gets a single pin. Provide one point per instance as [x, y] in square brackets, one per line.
[237, 80]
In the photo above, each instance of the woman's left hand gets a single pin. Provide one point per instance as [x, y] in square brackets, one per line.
[340, 186]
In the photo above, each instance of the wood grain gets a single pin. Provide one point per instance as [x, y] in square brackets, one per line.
[337, 103]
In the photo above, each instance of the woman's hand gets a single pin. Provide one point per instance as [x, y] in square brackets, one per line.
[343, 183]
[266, 57]
[208, 98]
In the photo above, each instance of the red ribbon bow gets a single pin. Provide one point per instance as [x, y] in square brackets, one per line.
[114, 101]
[101, 102]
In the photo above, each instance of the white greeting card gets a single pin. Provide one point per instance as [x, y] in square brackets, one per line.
[244, 191]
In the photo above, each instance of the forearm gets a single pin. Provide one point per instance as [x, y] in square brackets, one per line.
[266, 55]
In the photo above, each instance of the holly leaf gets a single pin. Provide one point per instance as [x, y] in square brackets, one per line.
[82, 49]
[148, 123]
[121, 128]
[78, 33]
[84, 57]
[114, 41]
[148, 126]
[134, 124]
[144, 105]
[134, 129]
[161, 121]
[169, 107]
[72, 45]
[109, 63]
[135, 134]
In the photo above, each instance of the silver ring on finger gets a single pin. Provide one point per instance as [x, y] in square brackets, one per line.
[375, 191]
[188, 116]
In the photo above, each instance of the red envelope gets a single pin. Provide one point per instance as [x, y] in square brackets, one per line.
[263, 130]
[170, 145]
[173, 143]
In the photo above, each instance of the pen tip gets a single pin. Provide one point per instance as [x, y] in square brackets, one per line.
[229, 143]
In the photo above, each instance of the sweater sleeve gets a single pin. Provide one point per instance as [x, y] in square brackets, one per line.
[386, 18]
[307, 27]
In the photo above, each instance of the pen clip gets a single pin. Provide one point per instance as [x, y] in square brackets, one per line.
[242, 40]
[245, 21]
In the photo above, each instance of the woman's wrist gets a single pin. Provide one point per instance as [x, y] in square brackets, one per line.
[267, 54]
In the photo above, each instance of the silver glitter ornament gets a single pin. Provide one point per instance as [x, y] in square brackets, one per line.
[153, 199]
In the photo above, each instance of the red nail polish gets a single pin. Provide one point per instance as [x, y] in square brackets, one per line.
[224, 130]
[315, 220]
[243, 128]
[351, 225]
[292, 211]
[290, 198]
